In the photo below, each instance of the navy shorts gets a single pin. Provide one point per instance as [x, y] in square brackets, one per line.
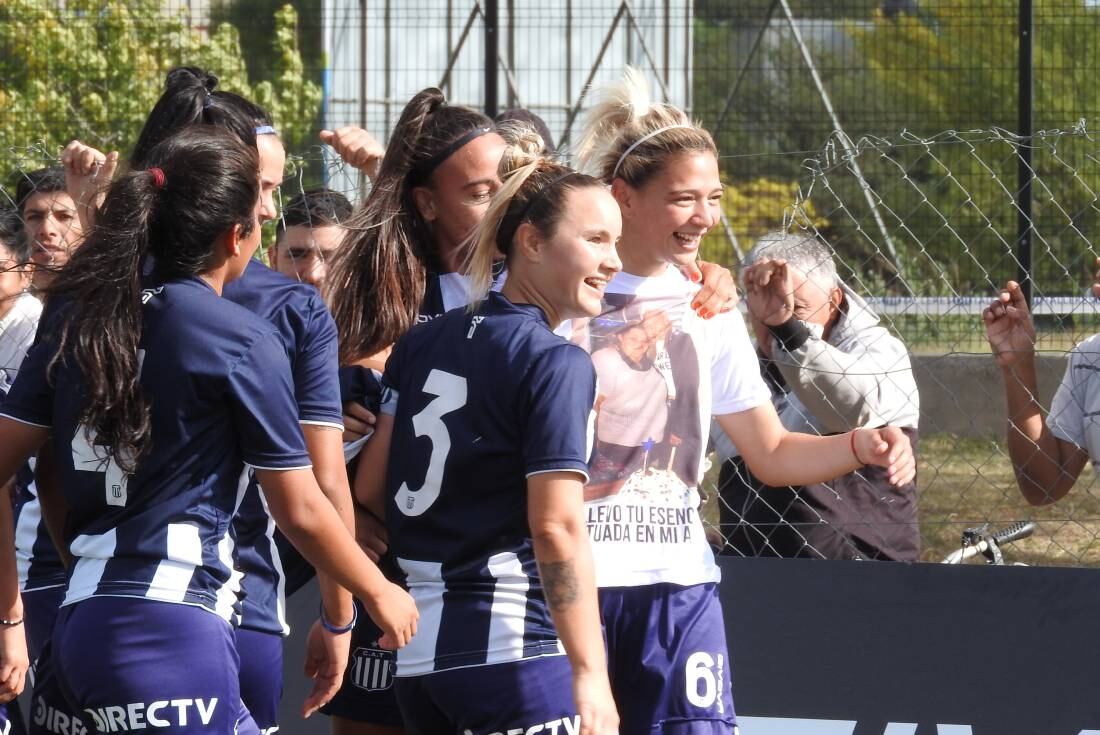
[261, 656]
[40, 612]
[668, 660]
[127, 664]
[367, 694]
[49, 712]
[11, 719]
[532, 695]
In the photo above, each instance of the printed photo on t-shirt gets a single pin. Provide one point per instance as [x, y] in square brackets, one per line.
[648, 436]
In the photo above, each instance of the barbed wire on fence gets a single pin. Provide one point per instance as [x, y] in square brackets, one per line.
[949, 203]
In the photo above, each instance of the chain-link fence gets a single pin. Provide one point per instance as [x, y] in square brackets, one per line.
[831, 120]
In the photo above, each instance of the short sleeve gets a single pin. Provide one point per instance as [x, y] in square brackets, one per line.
[1079, 387]
[391, 379]
[558, 390]
[736, 383]
[30, 399]
[265, 414]
[316, 372]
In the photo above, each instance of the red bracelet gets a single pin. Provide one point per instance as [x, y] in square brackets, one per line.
[852, 444]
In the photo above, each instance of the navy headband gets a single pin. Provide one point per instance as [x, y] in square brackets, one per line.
[424, 169]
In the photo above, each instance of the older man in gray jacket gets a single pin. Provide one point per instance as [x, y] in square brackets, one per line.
[832, 368]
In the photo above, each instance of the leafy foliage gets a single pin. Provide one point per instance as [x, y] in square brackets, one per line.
[93, 69]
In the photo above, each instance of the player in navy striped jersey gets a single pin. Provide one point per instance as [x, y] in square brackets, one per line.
[309, 334]
[484, 431]
[663, 373]
[160, 394]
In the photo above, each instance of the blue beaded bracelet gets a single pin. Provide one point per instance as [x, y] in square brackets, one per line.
[339, 629]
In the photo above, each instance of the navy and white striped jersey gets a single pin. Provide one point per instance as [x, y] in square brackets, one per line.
[37, 562]
[221, 396]
[446, 291]
[442, 293]
[309, 333]
[36, 559]
[486, 400]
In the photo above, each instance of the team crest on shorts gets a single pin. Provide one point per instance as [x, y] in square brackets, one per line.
[372, 669]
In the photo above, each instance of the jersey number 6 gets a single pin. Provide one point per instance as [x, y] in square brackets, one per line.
[450, 393]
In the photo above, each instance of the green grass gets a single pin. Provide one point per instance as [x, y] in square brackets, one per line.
[964, 483]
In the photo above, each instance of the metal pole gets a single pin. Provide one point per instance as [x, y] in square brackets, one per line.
[492, 54]
[845, 142]
[363, 66]
[511, 65]
[1024, 224]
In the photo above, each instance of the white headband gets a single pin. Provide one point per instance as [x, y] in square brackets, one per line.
[641, 140]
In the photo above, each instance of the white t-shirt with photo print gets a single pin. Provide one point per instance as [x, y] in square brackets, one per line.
[643, 502]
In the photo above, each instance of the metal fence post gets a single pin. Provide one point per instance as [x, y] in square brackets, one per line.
[492, 55]
[1024, 130]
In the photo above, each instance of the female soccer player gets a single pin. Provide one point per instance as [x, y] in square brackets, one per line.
[486, 516]
[403, 264]
[666, 643]
[191, 97]
[156, 391]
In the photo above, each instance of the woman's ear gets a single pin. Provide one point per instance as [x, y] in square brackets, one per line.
[233, 241]
[624, 194]
[424, 202]
[527, 243]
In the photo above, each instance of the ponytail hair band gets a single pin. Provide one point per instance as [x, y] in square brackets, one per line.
[158, 177]
[643, 139]
[265, 130]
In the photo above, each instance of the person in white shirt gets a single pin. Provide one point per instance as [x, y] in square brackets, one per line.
[19, 310]
[667, 652]
[1047, 455]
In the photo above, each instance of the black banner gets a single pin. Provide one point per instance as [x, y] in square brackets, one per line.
[868, 648]
[874, 648]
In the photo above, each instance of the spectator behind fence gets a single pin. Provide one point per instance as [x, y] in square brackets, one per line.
[50, 221]
[19, 311]
[1047, 456]
[309, 233]
[832, 368]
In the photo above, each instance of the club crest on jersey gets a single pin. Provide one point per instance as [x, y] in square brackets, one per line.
[372, 669]
[148, 294]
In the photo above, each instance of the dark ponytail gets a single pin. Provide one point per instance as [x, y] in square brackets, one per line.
[191, 97]
[197, 186]
[376, 280]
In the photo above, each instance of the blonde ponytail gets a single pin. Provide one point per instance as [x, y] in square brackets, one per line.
[628, 136]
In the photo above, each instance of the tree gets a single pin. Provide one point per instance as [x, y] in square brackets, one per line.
[951, 64]
[94, 68]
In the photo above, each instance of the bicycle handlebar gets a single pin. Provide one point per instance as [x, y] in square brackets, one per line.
[988, 544]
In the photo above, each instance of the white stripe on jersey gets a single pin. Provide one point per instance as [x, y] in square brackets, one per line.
[425, 581]
[26, 535]
[92, 554]
[229, 594]
[508, 614]
[175, 572]
[277, 563]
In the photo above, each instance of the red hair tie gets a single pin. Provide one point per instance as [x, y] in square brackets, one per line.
[158, 177]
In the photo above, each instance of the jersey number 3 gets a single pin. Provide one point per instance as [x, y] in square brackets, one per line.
[450, 395]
